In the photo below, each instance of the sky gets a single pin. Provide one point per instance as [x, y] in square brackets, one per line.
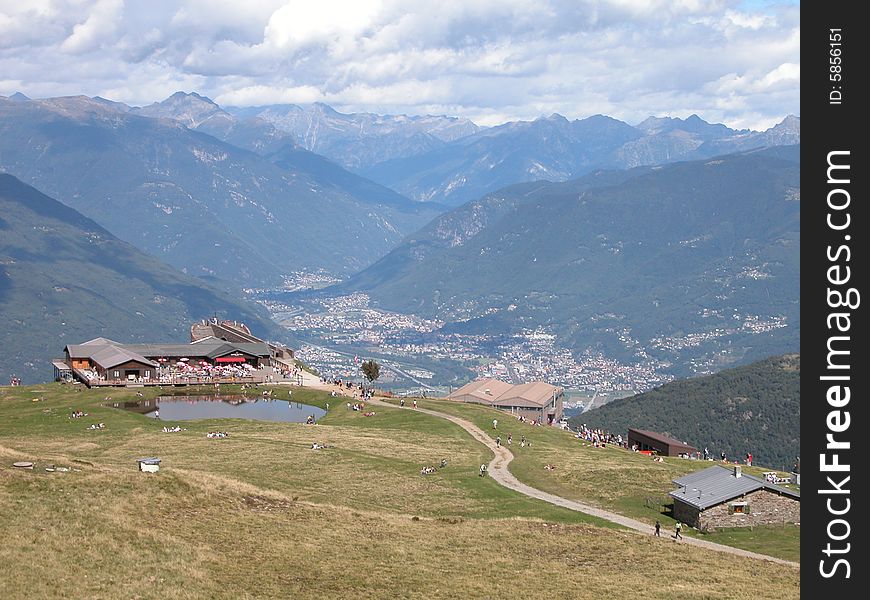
[729, 61]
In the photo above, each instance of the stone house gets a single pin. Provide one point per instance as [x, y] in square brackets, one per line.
[726, 497]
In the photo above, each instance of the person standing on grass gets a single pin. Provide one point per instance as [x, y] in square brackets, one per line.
[658, 528]
[510, 439]
[495, 423]
[415, 404]
[678, 528]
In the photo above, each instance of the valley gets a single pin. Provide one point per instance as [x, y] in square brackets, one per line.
[420, 354]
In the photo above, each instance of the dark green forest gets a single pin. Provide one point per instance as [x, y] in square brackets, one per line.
[754, 408]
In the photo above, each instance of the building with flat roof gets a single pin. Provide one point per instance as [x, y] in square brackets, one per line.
[658, 443]
[726, 497]
[537, 400]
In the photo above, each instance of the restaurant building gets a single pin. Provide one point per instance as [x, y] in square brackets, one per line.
[104, 361]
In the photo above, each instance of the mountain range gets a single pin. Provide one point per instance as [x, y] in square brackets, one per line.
[354, 141]
[623, 241]
[676, 263]
[556, 149]
[754, 408]
[203, 205]
[449, 160]
[64, 279]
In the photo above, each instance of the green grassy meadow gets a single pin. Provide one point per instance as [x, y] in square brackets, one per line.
[259, 514]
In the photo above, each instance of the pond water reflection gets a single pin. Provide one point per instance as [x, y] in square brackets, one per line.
[230, 406]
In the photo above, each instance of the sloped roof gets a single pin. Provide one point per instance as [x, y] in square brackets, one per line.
[175, 350]
[96, 350]
[478, 389]
[660, 437]
[100, 341]
[534, 394]
[110, 356]
[717, 484]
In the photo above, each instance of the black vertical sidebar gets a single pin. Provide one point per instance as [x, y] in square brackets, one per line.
[834, 423]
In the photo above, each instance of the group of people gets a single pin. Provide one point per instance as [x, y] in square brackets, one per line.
[97, 426]
[175, 429]
[599, 437]
[217, 434]
[77, 414]
[430, 469]
[316, 446]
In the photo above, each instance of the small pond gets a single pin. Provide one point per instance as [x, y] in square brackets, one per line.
[188, 408]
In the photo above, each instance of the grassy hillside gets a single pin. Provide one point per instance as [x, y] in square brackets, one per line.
[260, 514]
[64, 280]
[755, 408]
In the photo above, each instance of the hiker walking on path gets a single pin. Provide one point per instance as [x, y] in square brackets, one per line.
[677, 528]
[402, 403]
[498, 440]
[415, 404]
[658, 528]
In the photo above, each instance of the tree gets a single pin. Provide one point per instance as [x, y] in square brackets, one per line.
[371, 370]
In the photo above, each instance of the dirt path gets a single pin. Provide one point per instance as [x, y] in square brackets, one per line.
[498, 470]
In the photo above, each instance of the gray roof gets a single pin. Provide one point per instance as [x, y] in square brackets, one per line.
[717, 484]
[110, 356]
[173, 350]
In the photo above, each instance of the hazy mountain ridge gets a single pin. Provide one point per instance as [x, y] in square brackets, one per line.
[556, 149]
[64, 279]
[655, 262]
[200, 204]
[359, 140]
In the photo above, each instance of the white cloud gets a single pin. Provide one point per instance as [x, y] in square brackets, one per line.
[513, 59]
[94, 31]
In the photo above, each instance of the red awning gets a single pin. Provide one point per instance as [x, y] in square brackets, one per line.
[231, 359]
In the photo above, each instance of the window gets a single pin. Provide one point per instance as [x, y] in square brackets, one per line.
[740, 508]
[117, 374]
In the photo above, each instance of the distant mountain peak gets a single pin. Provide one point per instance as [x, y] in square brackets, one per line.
[18, 97]
[180, 96]
[188, 108]
[555, 117]
[790, 123]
